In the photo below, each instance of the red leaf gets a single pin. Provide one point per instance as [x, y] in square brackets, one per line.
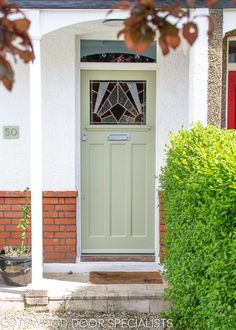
[22, 24]
[173, 41]
[191, 3]
[7, 83]
[3, 3]
[120, 33]
[6, 73]
[210, 26]
[125, 5]
[15, 40]
[5, 69]
[174, 10]
[211, 3]
[128, 40]
[141, 46]
[163, 45]
[190, 32]
[26, 56]
[146, 3]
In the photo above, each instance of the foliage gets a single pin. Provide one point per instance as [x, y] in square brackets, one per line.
[199, 190]
[17, 251]
[14, 40]
[22, 250]
[169, 22]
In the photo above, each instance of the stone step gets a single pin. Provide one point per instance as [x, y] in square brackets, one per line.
[57, 293]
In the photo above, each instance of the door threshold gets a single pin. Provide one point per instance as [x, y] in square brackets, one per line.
[117, 257]
[84, 267]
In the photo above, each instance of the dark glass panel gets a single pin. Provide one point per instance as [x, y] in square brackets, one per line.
[95, 86]
[111, 86]
[106, 114]
[139, 118]
[232, 51]
[129, 114]
[117, 111]
[96, 118]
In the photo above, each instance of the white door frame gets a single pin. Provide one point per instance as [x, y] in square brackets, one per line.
[108, 66]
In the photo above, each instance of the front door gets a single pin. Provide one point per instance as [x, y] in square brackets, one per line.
[231, 100]
[118, 161]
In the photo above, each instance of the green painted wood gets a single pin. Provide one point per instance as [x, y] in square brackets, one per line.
[118, 177]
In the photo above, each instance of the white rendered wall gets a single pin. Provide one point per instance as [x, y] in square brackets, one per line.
[229, 20]
[198, 72]
[58, 104]
[59, 113]
[172, 98]
[183, 87]
[15, 153]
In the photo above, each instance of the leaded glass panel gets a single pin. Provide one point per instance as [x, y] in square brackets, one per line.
[117, 102]
[114, 51]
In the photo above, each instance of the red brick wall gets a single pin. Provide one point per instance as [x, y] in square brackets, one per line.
[59, 223]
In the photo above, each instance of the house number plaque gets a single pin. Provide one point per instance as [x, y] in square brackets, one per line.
[11, 132]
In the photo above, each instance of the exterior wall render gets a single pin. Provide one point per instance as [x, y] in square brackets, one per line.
[59, 113]
[215, 70]
[198, 71]
[58, 110]
[14, 110]
[59, 223]
[58, 116]
[172, 100]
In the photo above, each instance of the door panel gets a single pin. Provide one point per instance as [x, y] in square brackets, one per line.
[118, 175]
[96, 209]
[139, 158]
[117, 190]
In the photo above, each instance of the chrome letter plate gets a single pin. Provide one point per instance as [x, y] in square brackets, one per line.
[118, 136]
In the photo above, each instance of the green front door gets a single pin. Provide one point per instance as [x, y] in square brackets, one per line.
[118, 161]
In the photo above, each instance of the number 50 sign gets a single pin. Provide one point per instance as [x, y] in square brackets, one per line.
[11, 132]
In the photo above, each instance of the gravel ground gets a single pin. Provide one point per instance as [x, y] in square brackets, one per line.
[80, 320]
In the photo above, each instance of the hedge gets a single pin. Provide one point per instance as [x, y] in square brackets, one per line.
[199, 189]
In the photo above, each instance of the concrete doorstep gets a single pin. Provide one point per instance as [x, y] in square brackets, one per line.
[64, 292]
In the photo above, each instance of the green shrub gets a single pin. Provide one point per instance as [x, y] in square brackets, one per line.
[199, 189]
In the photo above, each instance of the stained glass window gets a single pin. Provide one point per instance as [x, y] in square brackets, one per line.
[117, 58]
[117, 102]
[113, 51]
